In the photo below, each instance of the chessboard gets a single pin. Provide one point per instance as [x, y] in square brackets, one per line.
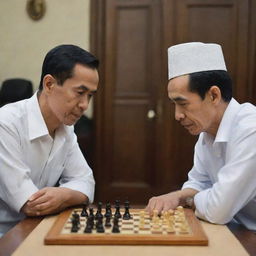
[126, 227]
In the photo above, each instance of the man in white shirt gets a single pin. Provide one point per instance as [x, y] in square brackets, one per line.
[221, 185]
[38, 147]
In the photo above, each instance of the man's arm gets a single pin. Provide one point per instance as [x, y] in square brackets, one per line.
[234, 185]
[198, 181]
[51, 200]
[76, 186]
[77, 175]
[16, 185]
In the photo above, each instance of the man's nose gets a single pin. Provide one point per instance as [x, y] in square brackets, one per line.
[83, 103]
[179, 115]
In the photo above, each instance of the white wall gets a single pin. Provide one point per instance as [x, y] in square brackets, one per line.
[24, 42]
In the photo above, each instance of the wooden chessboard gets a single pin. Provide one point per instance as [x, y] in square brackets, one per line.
[185, 230]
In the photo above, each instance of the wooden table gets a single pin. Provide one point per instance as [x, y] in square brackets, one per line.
[11, 240]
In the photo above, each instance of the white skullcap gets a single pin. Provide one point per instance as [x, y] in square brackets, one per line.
[194, 57]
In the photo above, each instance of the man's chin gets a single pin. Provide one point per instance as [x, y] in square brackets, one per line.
[193, 132]
[71, 122]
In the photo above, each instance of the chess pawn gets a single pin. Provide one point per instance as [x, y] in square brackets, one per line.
[76, 217]
[171, 220]
[171, 212]
[184, 229]
[165, 215]
[115, 228]
[127, 214]
[142, 222]
[142, 214]
[107, 222]
[99, 225]
[170, 229]
[155, 217]
[180, 208]
[155, 214]
[75, 223]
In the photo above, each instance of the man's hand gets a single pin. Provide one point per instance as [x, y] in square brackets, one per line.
[170, 201]
[51, 200]
[164, 202]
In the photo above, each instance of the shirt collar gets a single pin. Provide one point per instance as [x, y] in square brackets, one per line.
[36, 123]
[226, 124]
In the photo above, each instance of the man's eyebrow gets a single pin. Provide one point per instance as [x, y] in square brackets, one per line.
[178, 99]
[85, 88]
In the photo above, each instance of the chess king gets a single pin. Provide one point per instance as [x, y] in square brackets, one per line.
[221, 184]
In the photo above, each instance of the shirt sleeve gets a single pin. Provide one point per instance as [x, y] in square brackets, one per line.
[77, 174]
[15, 183]
[236, 183]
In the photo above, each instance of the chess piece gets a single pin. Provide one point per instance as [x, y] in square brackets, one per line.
[84, 211]
[115, 226]
[75, 222]
[107, 222]
[127, 214]
[99, 225]
[89, 225]
[117, 206]
[108, 212]
[98, 213]
[76, 217]
[91, 213]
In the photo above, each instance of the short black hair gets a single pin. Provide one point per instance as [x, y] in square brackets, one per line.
[61, 60]
[201, 82]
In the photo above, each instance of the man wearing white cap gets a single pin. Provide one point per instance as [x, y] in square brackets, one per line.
[221, 185]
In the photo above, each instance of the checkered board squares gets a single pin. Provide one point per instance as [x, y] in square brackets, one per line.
[175, 224]
[176, 229]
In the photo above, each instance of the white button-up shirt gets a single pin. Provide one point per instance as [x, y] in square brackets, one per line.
[224, 169]
[30, 159]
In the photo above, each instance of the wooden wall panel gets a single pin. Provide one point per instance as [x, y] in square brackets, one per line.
[223, 22]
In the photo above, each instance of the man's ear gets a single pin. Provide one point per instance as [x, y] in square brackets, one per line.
[48, 83]
[215, 94]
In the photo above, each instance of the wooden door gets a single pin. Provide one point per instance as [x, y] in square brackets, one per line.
[129, 104]
[140, 149]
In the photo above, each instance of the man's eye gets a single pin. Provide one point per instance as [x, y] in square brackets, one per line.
[182, 104]
[80, 93]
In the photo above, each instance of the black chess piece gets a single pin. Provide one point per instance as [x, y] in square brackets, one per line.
[127, 215]
[75, 223]
[76, 217]
[91, 214]
[99, 225]
[98, 213]
[89, 225]
[108, 222]
[87, 230]
[74, 229]
[108, 212]
[84, 211]
[117, 213]
[115, 228]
